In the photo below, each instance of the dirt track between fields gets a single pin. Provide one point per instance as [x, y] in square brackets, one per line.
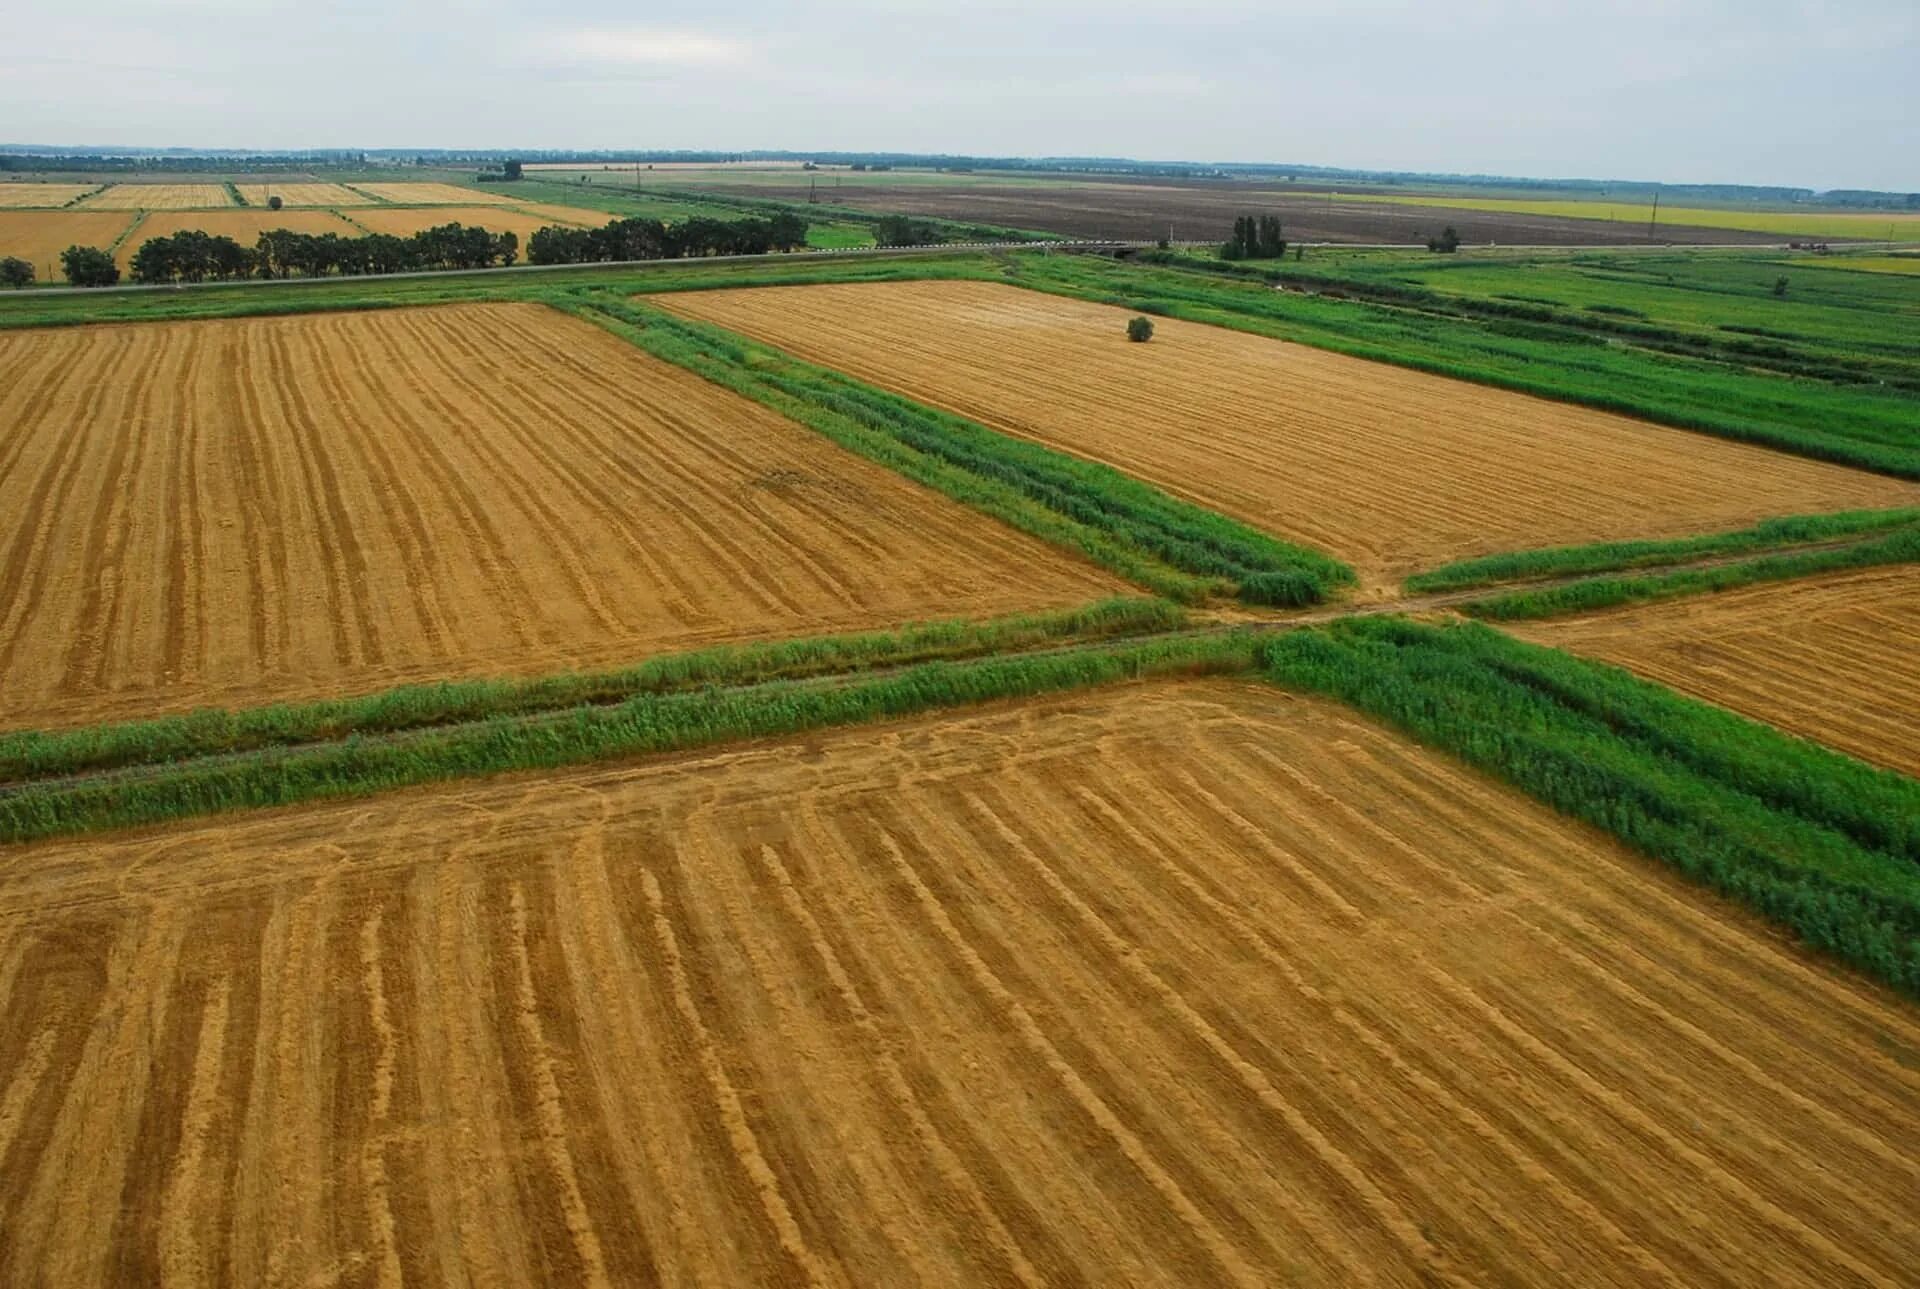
[1188, 983]
[336, 503]
[1390, 469]
[1835, 659]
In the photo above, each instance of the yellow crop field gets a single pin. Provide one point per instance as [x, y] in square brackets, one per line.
[1183, 984]
[495, 219]
[429, 194]
[1902, 264]
[1835, 659]
[1390, 469]
[38, 237]
[243, 226]
[159, 197]
[304, 194]
[255, 509]
[1866, 225]
[31, 196]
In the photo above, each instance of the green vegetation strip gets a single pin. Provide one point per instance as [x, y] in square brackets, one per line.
[1820, 843]
[1901, 547]
[646, 723]
[1609, 557]
[1170, 546]
[37, 754]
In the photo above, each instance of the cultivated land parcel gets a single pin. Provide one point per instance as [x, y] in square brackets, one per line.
[1272, 924]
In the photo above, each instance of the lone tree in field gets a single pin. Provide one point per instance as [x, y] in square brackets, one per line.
[1779, 286]
[1140, 330]
[89, 266]
[274, 202]
[16, 272]
[1447, 243]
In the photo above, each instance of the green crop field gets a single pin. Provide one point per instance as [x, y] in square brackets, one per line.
[1860, 225]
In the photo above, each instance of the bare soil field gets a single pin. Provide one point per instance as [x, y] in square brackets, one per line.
[1194, 984]
[159, 197]
[304, 194]
[239, 511]
[1390, 469]
[243, 226]
[495, 219]
[1835, 659]
[19, 196]
[1206, 211]
[38, 237]
[434, 194]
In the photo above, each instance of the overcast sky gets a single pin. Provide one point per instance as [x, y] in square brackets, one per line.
[1733, 91]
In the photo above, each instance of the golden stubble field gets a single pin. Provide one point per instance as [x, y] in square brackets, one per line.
[38, 236]
[303, 194]
[243, 226]
[523, 222]
[278, 508]
[159, 197]
[437, 194]
[1390, 469]
[19, 195]
[1835, 659]
[1178, 984]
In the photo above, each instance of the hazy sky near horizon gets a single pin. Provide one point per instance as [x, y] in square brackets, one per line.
[1819, 95]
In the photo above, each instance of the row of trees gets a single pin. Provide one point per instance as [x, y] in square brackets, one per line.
[650, 239]
[1255, 237]
[904, 230]
[194, 256]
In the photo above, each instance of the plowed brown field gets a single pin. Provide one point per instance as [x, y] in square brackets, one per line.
[239, 510]
[243, 226]
[18, 195]
[416, 194]
[1390, 469]
[304, 194]
[1191, 985]
[38, 237]
[159, 197]
[1835, 659]
[503, 219]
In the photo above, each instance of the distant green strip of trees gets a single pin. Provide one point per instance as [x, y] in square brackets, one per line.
[652, 239]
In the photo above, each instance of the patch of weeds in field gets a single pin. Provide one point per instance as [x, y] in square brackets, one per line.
[643, 724]
[1821, 843]
[1608, 557]
[1170, 546]
[41, 754]
[1901, 547]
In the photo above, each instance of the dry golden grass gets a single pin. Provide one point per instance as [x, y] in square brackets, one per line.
[304, 194]
[38, 237]
[22, 196]
[1194, 985]
[1835, 659]
[418, 194]
[159, 197]
[1390, 469]
[239, 511]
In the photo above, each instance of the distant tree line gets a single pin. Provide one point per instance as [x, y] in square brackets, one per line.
[651, 239]
[1255, 237]
[194, 256]
[904, 230]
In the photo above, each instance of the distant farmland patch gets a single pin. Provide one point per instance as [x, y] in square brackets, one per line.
[236, 511]
[1389, 469]
[22, 196]
[428, 194]
[243, 226]
[160, 197]
[38, 237]
[304, 194]
[1864, 225]
[521, 221]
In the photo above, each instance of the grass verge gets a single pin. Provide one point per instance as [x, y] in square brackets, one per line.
[1822, 844]
[1170, 546]
[1901, 547]
[213, 732]
[1609, 557]
[643, 724]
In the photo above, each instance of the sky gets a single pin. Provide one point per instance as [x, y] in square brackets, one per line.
[1818, 95]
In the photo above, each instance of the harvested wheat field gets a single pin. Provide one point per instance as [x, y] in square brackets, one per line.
[159, 197]
[257, 509]
[1389, 469]
[1181, 984]
[303, 194]
[1835, 659]
[243, 226]
[419, 194]
[45, 196]
[38, 237]
[495, 219]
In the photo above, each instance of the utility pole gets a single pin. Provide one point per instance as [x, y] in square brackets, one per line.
[1655, 215]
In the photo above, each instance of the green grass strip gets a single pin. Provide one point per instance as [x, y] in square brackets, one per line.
[1901, 547]
[1824, 845]
[646, 723]
[1610, 557]
[1173, 547]
[40, 754]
